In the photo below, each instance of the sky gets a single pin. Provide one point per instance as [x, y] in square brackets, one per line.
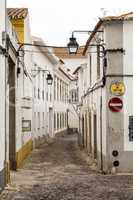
[54, 20]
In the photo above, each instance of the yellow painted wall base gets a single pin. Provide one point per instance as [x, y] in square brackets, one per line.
[23, 153]
[7, 172]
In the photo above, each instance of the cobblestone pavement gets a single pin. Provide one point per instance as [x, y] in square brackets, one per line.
[56, 172]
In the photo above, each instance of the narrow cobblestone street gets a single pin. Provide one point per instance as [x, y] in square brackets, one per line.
[56, 172]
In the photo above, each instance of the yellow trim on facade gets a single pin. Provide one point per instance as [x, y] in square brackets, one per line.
[17, 21]
[18, 25]
[23, 153]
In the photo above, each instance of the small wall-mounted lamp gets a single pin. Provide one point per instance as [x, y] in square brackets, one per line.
[49, 79]
[49, 76]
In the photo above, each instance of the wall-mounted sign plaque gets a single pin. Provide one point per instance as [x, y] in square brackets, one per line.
[26, 125]
[117, 88]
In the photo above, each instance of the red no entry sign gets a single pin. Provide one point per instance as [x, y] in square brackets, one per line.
[115, 104]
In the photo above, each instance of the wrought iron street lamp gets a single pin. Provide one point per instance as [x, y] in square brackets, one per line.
[72, 45]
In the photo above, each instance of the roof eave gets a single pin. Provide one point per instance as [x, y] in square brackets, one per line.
[47, 52]
[76, 70]
[124, 17]
[98, 25]
[65, 74]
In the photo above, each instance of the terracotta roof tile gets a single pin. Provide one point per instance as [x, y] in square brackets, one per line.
[126, 16]
[63, 53]
[17, 13]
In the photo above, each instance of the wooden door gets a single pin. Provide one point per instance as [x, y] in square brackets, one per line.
[95, 136]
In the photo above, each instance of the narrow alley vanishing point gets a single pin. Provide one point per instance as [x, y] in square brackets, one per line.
[55, 171]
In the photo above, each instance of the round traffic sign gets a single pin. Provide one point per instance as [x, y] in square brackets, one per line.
[115, 104]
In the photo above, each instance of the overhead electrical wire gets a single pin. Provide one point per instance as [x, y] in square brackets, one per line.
[25, 70]
[43, 46]
[57, 53]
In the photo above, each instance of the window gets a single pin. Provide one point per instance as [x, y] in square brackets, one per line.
[65, 119]
[60, 120]
[38, 120]
[74, 96]
[90, 69]
[43, 94]
[38, 93]
[47, 96]
[43, 122]
[34, 121]
[60, 90]
[63, 91]
[34, 92]
[55, 88]
[67, 95]
[43, 86]
[54, 121]
[57, 121]
[39, 84]
[50, 97]
[98, 62]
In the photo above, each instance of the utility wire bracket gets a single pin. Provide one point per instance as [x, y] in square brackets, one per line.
[3, 51]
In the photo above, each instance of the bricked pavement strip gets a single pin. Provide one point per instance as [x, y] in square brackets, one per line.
[56, 172]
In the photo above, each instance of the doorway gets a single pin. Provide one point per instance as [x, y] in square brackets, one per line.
[90, 134]
[50, 122]
[83, 131]
[86, 128]
[95, 136]
[12, 110]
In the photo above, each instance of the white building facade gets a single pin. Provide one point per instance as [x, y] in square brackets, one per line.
[61, 99]
[3, 159]
[44, 63]
[106, 104]
[50, 102]
[17, 104]
[20, 91]
[72, 63]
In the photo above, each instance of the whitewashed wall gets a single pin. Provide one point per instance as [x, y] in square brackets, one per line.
[59, 105]
[128, 69]
[41, 106]
[73, 63]
[73, 112]
[2, 89]
[24, 91]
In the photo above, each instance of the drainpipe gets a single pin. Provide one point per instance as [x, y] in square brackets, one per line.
[101, 136]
